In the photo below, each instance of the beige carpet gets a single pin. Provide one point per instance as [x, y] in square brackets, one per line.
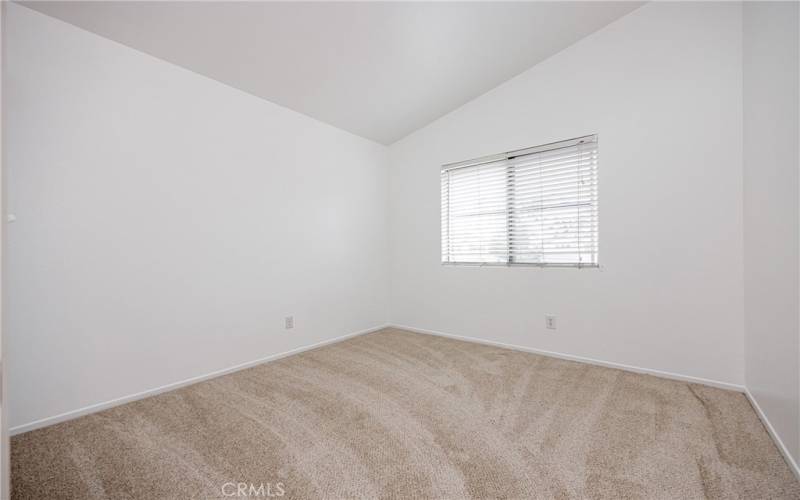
[395, 414]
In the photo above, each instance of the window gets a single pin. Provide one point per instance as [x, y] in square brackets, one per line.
[536, 206]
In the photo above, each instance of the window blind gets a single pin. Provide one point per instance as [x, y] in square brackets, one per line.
[536, 206]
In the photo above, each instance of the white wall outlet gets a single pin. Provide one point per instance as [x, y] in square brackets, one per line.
[288, 322]
[550, 321]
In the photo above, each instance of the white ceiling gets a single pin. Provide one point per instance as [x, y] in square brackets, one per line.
[379, 70]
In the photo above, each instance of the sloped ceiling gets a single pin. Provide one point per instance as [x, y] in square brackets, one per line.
[379, 70]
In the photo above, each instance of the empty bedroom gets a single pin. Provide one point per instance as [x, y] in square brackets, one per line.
[433, 250]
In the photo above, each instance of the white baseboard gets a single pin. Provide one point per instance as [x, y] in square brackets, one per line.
[570, 357]
[175, 385]
[37, 424]
[158, 390]
[775, 437]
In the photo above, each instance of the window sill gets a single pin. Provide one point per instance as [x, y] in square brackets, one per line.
[520, 264]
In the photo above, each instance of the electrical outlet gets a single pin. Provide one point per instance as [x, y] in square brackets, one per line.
[289, 322]
[550, 321]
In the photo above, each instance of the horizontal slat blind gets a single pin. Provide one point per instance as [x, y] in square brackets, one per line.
[474, 213]
[537, 206]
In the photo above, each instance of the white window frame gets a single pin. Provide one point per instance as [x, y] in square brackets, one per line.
[510, 155]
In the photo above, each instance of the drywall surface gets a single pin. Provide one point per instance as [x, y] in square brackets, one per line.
[166, 223]
[771, 218]
[5, 444]
[662, 89]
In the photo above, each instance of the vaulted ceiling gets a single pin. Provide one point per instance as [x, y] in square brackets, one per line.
[380, 70]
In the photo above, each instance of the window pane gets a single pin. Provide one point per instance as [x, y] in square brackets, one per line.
[475, 214]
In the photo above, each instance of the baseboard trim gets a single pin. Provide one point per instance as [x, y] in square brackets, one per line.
[773, 434]
[86, 410]
[569, 357]
[37, 424]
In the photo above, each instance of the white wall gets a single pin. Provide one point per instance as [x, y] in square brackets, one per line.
[167, 223]
[771, 218]
[662, 89]
[163, 218]
[5, 448]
